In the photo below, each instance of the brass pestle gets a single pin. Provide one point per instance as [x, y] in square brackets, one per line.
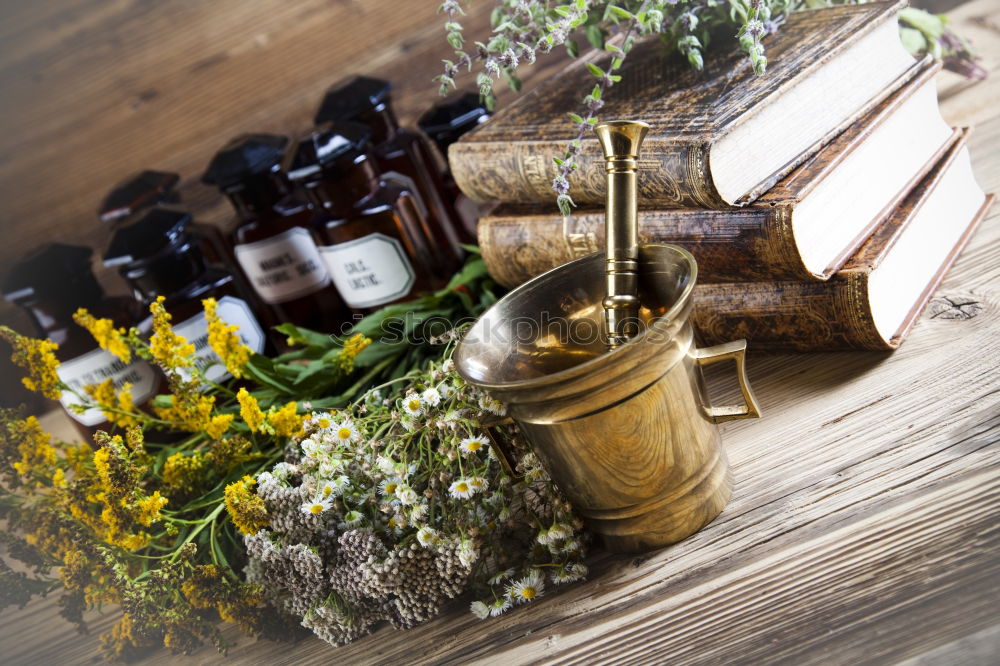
[620, 140]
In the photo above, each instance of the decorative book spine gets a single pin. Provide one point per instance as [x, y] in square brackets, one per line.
[753, 243]
[674, 175]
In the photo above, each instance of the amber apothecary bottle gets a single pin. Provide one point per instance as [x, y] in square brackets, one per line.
[50, 285]
[158, 256]
[371, 240]
[127, 201]
[444, 124]
[399, 151]
[272, 242]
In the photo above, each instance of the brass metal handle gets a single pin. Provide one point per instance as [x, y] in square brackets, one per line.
[737, 351]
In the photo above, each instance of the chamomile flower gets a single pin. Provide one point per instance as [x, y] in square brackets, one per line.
[385, 465]
[500, 577]
[478, 484]
[419, 512]
[473, 444]
[340, 484]
[431, 397]
[413, 405]
[345, 432]
[467, 553]
[446, 390]
[407, 495]
[328, 489]
[389, 487]
[353, 518]
[330, 466]
[316, 506]
[283, 470]
[310, 447]
[527, 589]
[479, 609]
[492, 405]
[461, 489]
[570, 573]
[427, 536]
[499, 606]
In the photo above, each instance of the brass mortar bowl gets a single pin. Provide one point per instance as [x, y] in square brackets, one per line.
[628, 433]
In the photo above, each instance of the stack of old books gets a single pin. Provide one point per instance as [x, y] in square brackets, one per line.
[824, 201]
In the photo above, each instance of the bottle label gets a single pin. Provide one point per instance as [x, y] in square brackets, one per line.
[370, 270]
[94, 368]
[233, 311]
[283, 267]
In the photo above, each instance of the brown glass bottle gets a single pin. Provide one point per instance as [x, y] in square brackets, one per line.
[273, 244]
[158, 256]
[399, 151]
[371, 238]
[444, 124]
[135, 195]
[50, 285]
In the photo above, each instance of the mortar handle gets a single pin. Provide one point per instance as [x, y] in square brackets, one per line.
[737, 351]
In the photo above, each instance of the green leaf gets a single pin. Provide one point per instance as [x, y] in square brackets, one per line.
[304, 336]
[596, 92]
[595, 70]
[595, 36]
[576, 118]
[621, 13]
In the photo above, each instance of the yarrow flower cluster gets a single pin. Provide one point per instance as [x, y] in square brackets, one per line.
[389, 509]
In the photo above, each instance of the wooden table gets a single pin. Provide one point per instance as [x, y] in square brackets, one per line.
[864, 527]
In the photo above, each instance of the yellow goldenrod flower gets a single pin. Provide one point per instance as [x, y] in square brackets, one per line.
[352, 347]
[224, 341]
[246, 508]
[286, 422]
[39, 359]
[169, 350]
[193, 412]
[111, 339]
[183, 474]
[218, 425]
[117, 406]
[250, 410]
[147, 509]
[28, 448]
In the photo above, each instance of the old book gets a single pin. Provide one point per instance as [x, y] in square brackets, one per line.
[719, 137]
[804, 228]
[874, 300]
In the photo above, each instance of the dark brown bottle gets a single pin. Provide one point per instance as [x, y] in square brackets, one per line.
[158, 256]
[273, 243]
[371, 238]
[50, 285]
[399, 151]
[128, 200]
[444, 124]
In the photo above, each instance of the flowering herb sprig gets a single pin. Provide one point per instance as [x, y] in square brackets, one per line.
[522, 29]
[388, 509]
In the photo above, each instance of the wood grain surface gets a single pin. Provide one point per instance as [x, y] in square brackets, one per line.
[862, 529]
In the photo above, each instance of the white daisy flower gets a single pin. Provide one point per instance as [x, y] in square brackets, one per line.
[461, 489]
[570, 574]
[340, 484]
[390, 486]
[345, 433]
[427, 536]
[328, 489]
[528, 588]
[492, 405]
[479, 609]
[431, 397]
[310, 447]
[419, 512]
[473, 444]
[385, 465]
[407, 495]
[330, 466]
[283, 470]
[446, 390]
[500, 577]
[467, 553]
[499, 606]
[478, 484]
[413, 405]
[316, 507]
[570, 546]
[352, 518]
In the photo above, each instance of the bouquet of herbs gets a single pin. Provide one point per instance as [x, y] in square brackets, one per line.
[296, 491]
